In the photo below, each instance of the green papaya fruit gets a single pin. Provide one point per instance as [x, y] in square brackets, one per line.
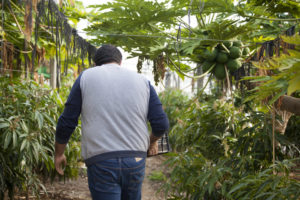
[235, 52]
[228, 44]
[219, 71]
[233, 65]
[222, 57]
[206, 66]
[237, 43]
[210, 55]
[246, 51]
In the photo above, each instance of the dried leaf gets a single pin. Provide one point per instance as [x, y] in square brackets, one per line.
[28, 20]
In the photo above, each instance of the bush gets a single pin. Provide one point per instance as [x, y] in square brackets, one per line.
[293, 133]
[221, 150]
[195, 177]
[27, 131]
[207, 126]
[174, 101]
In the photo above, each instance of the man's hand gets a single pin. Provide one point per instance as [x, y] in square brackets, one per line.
[60, 158]
[59, 161]
[153, 149]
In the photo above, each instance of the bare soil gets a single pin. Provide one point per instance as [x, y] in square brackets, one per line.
[77, 189]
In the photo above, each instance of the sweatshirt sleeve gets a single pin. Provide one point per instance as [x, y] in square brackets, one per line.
[157, 117]
[68, 120]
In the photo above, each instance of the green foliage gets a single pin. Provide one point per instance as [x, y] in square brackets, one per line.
[27, 131]
[173, 101]
[149, 29]
[195, 177]
[266, 185]
[42, 41]
[157, 176]
[278, 7]
[202, 125]
[222, 150]
[286, 78]
[76, 13]
[133, 17]
[293, 133]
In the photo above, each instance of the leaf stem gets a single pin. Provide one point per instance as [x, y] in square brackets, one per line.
[193, 77]
[225, 48]
[272, 19]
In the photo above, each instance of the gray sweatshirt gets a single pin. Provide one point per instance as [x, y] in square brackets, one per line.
[115, 105]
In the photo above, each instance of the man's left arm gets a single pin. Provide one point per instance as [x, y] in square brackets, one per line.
[158, 120]
[66, 124]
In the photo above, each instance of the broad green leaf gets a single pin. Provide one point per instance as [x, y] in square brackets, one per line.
[294, 85]
[24, 127]
[24, 143]
[292, 39]
[276, 97]
[14, 139]
[264, 185]
[257, 79]
[35, 147]
[39, 117]
[4, 125]
[180, 74]
[211, 184]
[271, 197]
[263, 194]
[50, 119]
[237, 187]
[7, 140]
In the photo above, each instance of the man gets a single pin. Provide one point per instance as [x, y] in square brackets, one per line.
[115, 105]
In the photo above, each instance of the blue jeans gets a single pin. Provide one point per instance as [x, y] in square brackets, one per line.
[117, 179]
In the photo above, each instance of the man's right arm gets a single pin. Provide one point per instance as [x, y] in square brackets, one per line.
[158, 120]
[66, 124]
[68, 120]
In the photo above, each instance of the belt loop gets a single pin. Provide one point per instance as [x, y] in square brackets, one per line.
[120, 169]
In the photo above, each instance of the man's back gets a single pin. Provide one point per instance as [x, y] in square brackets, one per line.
[115, 105]
[114, 111]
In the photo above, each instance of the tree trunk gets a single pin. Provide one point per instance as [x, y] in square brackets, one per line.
[53, 72]
[290, 104]
[168, 79]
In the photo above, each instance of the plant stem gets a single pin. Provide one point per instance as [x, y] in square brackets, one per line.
[194, 77]
[272, 19]
[273, 137]
[225, 48]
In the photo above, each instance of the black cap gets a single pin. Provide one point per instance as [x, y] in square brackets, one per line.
[107, 54]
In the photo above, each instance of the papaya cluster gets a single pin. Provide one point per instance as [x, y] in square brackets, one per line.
[224, 54]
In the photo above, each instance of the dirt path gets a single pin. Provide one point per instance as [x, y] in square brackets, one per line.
[150, 187]
[78, 189]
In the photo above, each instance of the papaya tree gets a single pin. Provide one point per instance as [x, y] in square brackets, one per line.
[137, 26]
